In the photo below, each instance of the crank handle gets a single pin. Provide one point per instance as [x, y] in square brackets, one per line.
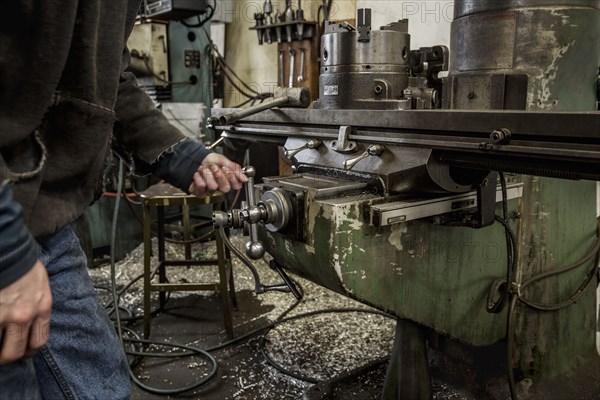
[311, 144]
[373, 150]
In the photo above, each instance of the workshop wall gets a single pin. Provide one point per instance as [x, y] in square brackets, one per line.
[257, 65]
[429, 21]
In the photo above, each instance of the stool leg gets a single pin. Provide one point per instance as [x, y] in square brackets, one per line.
[147, 250]
[160, 232]
[187, 231]
[223, 284]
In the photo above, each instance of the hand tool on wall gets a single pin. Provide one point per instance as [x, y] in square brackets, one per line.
[289, 17]
[300, 19]
[280, 68]
[268, 10]
[279, 18]
[301, 74]
[292, 66]
[259, 18]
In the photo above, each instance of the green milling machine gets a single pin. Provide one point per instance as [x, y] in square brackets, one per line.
[465, 206]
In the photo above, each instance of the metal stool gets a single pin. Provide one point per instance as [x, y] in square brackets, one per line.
[164, 195]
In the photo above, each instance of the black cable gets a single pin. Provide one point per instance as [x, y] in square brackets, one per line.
[262, 341]
[296, 317]
[279, 368]
[593, 252]
[203, 21]
[230, 74]
[496, 306]
[510, 338]
[516, 295]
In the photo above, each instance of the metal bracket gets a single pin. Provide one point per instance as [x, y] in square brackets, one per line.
[486, 201]
[343, 144]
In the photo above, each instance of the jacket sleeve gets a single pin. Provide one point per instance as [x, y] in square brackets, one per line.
[179, 164]
[18, 249]
[144, 131]
[141, 128]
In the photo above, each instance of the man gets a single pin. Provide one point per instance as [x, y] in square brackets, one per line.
[64, 96]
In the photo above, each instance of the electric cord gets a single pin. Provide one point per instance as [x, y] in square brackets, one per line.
[513, 291]
[203, 21]
[247, 91]
[591, 254]
[263, 340]
[510, 343]
[515, 294]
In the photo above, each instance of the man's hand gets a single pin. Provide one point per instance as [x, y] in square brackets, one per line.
[25, 315]
[217, 172]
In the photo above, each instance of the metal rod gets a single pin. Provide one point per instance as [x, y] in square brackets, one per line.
[231, 118]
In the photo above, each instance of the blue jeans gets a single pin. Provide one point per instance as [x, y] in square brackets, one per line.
[83, 358]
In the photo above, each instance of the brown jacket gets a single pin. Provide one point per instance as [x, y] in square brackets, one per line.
[63, 88]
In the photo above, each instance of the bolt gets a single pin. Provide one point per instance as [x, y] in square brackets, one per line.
[378, 89]
[471, 95]
[500, 136]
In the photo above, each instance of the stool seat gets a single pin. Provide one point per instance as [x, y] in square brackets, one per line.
[164, 195]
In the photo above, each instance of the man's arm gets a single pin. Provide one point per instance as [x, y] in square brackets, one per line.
[185, 163]
[25, 297]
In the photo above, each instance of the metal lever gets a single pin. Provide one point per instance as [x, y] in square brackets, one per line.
[216, 144]
[372, 150]
[291, 97]
[311, 144]
[289, 284]
[254, 247]
[252, 214]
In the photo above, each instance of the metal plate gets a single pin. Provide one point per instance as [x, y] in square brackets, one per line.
[322, 185]
[408, 210]
[493, 34]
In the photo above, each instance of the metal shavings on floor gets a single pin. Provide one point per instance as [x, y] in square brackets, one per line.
[320, 347]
